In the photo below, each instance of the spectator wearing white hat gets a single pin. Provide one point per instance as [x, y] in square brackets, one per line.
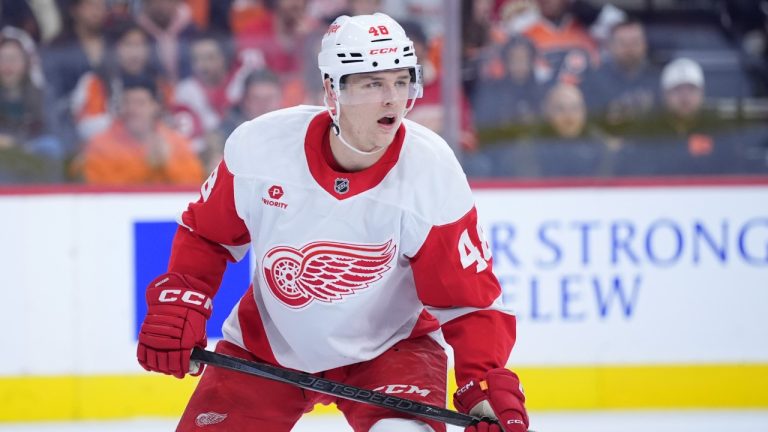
[688, 139]
[682, 83]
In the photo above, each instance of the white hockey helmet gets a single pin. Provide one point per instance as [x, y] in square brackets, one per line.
[367, 43]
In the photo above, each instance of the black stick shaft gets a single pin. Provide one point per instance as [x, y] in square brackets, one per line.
[321, 385]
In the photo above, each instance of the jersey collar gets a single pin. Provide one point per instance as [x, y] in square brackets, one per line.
[343, 185]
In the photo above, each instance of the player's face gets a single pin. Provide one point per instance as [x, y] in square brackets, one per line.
[372, 107]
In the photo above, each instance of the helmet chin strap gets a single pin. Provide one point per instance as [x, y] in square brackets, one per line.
[337, 132]
[337, 129]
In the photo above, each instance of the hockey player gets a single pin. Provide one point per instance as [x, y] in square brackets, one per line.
[367, 249]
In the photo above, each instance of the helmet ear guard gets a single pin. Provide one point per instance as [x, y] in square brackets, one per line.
[417, 76]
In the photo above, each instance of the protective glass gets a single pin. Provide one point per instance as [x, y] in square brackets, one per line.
[388, 86]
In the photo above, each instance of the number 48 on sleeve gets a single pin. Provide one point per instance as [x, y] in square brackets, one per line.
[469, 253]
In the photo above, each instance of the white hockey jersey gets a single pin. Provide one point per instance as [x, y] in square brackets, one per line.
[347, 264]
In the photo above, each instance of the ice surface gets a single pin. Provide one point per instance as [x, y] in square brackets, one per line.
[614, 421]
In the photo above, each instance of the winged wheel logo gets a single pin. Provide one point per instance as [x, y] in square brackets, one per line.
[324, 271]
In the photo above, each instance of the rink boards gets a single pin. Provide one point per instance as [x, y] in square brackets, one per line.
[631, 296]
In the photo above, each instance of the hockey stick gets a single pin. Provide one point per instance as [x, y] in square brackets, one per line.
[322, 385]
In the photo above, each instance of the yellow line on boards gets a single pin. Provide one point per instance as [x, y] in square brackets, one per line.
[75, 397]
[646, 387]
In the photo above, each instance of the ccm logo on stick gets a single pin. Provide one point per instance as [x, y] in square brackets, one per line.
[191, 297]
[402, 388]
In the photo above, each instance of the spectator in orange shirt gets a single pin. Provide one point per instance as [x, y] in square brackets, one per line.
[138, 148]
[94, 99]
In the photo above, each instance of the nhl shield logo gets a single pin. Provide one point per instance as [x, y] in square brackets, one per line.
[341, 186]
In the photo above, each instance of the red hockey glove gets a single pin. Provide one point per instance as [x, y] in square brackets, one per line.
[178, 307]
[499, 397]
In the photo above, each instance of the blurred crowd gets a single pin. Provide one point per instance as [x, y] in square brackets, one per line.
[147, 91]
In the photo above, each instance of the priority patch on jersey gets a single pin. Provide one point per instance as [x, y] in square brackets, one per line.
[275, 192]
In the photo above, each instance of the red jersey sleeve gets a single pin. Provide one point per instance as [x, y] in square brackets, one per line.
[454, 279]
[211, 231]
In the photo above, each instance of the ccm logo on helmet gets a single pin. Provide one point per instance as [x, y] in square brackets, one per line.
[382, 51]
[191, 297]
